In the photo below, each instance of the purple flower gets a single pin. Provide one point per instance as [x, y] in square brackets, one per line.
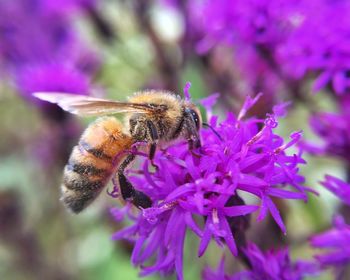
[38, 46]
[250, 22]
[219, 274]
[65, 6]
[276, 43]
[30, 32]
[271, 265]
[53, 77]
[337, 241]
[320, 43]
[334, 130]
[338, 187]
[296, 36]
[255, 30]
[200, 191]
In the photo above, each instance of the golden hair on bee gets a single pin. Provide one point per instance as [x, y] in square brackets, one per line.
[104, 148]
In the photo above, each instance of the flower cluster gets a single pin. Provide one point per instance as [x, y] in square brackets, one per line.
[255, 29]
[271, 265]
[289, 38]
[201, 190]
[253, 22]
[320, 44]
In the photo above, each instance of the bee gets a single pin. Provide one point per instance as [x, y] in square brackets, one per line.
[104, 148]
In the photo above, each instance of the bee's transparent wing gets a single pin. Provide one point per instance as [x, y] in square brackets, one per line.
[91, 106]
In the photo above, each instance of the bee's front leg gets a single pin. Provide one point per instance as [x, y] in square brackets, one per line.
[193, 147]
[142, 129]
[191, 133]
[128, 192]
[194, 144]
[153, 135]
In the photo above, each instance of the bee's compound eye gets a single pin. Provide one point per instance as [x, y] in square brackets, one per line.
[195, 117]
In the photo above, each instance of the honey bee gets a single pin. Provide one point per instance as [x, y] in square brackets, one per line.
[103, 150]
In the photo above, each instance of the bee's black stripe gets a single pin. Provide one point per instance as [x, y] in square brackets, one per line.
[82, 183]
[96, 152]
[84, 169]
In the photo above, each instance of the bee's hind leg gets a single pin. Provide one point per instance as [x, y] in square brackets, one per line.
[128, 192]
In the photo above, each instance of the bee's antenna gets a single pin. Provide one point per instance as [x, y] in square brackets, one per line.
[213, 130]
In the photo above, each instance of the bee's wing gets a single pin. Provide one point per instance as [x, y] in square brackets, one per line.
[91, 106]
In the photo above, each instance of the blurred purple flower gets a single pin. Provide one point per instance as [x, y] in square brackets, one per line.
[65, 6]
[255, 29]
[52, 77]
[337, 241]
[207, 184]
[30, 32]
[272, 265]
[276, 42]
[338, 187]
[252, 22]
[219, 274]
[258, 72]
[320, 43]
[279, 42]
[334, 130]
[37, 38]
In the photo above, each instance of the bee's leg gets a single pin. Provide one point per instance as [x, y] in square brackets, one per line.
[153, 134]
[193, 140]
[191, 132]
[193, 145]
[128, 192]
[152, 151]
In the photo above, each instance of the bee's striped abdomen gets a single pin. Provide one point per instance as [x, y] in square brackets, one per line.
[92, 162]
